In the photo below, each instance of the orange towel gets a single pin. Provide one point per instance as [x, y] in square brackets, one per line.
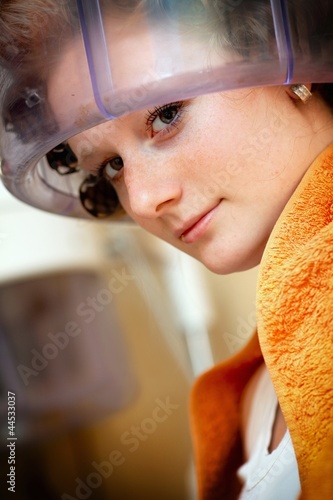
[295, 329]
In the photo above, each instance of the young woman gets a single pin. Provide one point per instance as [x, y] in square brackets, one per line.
[212, 176]
[234, 179]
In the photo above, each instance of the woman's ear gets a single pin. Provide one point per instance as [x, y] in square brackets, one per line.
[300, 91]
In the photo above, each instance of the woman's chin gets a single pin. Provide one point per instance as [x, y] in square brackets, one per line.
[228, 264]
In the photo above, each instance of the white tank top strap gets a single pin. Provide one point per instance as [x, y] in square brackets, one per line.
[265, 475]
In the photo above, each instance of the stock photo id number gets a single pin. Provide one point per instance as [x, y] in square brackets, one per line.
[11, 442]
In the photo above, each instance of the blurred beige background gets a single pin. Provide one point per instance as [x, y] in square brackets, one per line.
[107, 416]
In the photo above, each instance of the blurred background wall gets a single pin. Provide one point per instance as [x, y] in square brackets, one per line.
[103, 329]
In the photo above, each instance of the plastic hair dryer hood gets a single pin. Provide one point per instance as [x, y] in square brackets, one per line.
[71, 65]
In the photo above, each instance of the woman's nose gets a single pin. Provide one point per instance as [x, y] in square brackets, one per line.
[153, 190]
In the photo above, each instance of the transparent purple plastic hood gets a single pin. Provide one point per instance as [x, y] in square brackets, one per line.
[67, 65]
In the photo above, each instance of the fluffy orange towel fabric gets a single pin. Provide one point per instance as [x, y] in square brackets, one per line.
[295, 329]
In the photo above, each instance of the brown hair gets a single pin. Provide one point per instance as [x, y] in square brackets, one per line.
[26, 26]
[32, 30]
[29, 28]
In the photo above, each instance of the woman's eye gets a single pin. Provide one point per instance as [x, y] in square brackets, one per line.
[112, 167]
[162, 117]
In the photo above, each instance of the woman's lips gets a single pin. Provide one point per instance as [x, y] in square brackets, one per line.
[196, 229]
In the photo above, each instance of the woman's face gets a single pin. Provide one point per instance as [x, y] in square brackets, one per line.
[210, 175]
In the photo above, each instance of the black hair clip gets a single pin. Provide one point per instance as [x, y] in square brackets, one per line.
[98, 197]
[62, 159]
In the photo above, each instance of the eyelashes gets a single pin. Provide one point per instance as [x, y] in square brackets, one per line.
[159, 123]
[163, 118]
